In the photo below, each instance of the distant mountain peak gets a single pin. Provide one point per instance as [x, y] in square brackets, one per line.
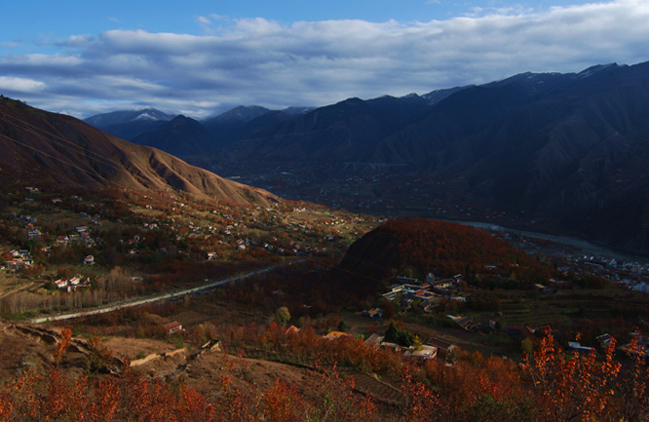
[106, 120]
[434, 97]
[240, 114]
[147, 116]
[596, 69]
[297, 110]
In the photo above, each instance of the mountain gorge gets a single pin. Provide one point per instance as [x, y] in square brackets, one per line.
[565, 149]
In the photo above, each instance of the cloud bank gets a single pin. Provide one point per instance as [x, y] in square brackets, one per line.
[257, 61]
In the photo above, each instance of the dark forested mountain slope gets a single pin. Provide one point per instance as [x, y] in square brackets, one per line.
[241, 122]
[579, 157]
[563, 147]
[181, 137]
[340, 132]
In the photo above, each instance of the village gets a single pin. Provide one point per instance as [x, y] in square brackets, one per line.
[409, 296]
[65, 242]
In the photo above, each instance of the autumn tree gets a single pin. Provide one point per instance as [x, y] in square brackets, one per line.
[574, 386]
[282, 315]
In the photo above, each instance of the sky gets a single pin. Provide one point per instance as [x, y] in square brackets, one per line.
[203, 57]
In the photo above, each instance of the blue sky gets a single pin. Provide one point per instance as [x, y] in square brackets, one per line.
[29, 19]
[202, 57]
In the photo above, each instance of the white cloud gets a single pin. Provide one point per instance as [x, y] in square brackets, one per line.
[216, 17]
[257, 61]
[8, 83]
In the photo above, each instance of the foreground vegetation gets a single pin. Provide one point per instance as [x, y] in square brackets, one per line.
[141, 245]
[551, 385]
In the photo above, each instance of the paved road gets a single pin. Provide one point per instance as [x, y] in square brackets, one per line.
[162, 296]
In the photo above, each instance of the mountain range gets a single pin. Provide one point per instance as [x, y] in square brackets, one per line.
[182, 136]
[47, 149]
[565, 148]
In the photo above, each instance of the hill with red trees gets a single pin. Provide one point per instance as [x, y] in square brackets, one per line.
[417, 247]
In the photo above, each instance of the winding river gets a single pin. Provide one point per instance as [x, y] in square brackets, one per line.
[587, 247]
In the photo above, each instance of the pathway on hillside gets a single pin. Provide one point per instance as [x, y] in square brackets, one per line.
[161, 296]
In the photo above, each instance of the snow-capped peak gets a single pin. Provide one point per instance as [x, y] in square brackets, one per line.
[146, 116]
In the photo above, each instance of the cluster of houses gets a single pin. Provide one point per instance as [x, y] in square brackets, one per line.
[234, 227]
[32, 231]
[19, 259]
[81, 234]
[131, 244]
[434, 348]
[72, 284]
[27, 218]
[632, 275]
[429, 294]
[639, 347]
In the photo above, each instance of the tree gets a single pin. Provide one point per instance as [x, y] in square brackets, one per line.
[282, 315]
[527, 345]
[398, 336]
[417, 343]
[574, 386]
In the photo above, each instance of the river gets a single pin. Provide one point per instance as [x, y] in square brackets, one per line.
[587, 247]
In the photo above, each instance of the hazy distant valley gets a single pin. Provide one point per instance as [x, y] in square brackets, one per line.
[548, 152]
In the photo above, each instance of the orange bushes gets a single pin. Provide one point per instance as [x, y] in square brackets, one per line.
[283, 403]
[551, 386]
[129, 397]
[579, 387]
[54, 397]
[6, 407]
[64, 343]
[344, 350]
[472, 389]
